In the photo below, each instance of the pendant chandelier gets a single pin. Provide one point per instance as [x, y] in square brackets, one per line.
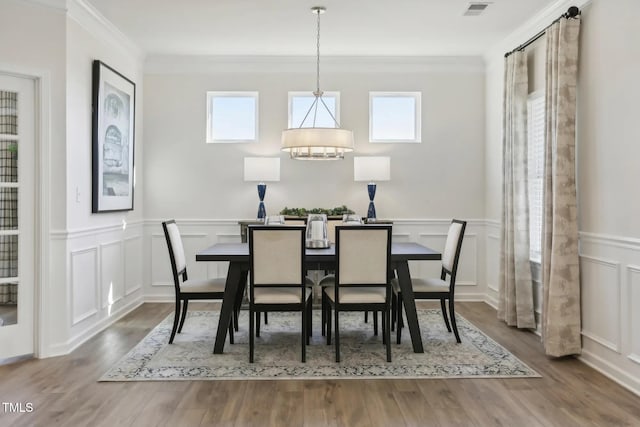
[317, 143]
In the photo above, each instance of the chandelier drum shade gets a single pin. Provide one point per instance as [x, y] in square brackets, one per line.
[317, 143]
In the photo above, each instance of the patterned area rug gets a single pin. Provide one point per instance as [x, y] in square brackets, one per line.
[277, 354]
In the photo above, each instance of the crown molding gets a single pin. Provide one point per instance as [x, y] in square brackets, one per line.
[89, 18]
[174, 64]
[531, 27]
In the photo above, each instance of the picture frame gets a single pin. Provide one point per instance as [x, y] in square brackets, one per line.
[113, 139]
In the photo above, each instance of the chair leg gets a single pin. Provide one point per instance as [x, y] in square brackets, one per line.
[375, 323]
[452, 314]
[251, 337]
[328, 328]
[310, 323]
[185, 304]
[387, 332]
[393, 310]
[337, 331]
[444, 314]
[399, 322]
[323, 307]
[236, 313]
[257, 324]
[366, 317]
[384, 335]
[266, 319]
[304, 335]
[176, 317]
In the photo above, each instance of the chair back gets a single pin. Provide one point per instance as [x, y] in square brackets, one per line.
[453, 246]
[363, 255]
[277, 255]
[176, 251]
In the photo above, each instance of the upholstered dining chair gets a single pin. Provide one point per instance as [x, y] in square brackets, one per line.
[278, 282]
[437, 288]
[363, 268]
[188, 289]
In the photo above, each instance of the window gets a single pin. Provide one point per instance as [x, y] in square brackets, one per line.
[535, 142]
[300, 102]
[232, 116]
[395, 117]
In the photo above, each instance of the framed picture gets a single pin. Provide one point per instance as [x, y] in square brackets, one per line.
[114, 104]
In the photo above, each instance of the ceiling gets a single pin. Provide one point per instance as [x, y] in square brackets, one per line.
[287, 27]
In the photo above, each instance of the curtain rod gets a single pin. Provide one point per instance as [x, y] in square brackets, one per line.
[572, 12]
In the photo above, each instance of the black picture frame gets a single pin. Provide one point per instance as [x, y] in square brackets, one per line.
[113, 138]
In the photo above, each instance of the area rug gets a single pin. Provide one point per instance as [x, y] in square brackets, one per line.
[277, 352]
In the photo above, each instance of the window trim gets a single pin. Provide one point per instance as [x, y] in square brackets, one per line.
[231, 94]
[292, 94]
[417, 97]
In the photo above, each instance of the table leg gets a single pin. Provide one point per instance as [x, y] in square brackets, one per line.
[402, 268]
[228, 303]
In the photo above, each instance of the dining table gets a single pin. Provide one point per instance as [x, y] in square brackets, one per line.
[237, 254]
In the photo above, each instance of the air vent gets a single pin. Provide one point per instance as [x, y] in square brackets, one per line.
[475, 9]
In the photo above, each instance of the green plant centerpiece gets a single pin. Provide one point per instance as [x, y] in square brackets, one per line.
[338, 211]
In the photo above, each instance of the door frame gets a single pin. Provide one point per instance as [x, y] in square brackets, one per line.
[42, 140]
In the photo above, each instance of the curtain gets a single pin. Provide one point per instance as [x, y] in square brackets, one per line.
[560, 262]
[515, 298]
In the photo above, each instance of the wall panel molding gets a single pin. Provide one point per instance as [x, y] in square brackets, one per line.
[133, 264]
[594, 291]
[633, 292]
[112, 288]
[84, 284]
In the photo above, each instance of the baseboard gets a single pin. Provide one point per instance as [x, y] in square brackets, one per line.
[611, 371]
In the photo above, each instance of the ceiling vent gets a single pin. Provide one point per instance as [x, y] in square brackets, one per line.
[475, 9]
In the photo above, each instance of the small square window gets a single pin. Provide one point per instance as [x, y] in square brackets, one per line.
[232, 117]
[300, 102]
[395, 117]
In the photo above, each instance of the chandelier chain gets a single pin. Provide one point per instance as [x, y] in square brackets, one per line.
[318, 54]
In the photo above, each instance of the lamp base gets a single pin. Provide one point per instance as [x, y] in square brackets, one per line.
[371, 212]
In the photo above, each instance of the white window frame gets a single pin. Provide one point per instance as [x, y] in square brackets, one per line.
[230, 94]
[535, 255]
[306, 93]
[417, 97]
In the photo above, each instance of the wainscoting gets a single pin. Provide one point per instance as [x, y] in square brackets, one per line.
[610, 276]
[105, 277]
[610, 271]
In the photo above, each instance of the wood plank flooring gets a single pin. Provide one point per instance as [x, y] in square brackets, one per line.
[64, 391]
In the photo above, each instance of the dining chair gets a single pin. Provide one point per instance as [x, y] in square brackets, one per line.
[434, 288]
[278, 282]
[363, 268]
[188, 289]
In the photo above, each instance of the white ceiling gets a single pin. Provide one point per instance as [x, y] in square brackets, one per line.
[287, 27]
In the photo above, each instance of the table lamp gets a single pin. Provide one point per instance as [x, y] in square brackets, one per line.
[371, 169]
[261, 169]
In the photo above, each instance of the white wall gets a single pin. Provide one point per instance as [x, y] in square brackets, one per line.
[607, 177]
[440, 178]
[104, 250]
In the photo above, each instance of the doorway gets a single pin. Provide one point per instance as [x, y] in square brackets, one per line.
[17, 216]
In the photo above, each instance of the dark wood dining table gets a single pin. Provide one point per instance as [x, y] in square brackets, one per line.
[237, 254]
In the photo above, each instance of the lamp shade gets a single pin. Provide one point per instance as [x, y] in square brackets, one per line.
[317, 143]
[262, 169]
[371, 169]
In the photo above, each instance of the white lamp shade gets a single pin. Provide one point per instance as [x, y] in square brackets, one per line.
[371, 169]
[262, 169]
[317, 143]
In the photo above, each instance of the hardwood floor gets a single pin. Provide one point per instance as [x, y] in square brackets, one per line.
[64, 391]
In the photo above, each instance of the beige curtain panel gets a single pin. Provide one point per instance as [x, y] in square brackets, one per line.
[560, 262]
[515, 297]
